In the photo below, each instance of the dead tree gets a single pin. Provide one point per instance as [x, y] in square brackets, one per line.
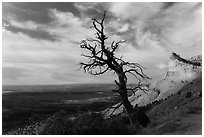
[101, 59]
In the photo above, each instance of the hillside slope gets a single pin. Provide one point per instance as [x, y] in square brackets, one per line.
[180, 113]
[180, 72]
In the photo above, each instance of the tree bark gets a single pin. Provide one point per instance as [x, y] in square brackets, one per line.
[123, 93]
[128, 106]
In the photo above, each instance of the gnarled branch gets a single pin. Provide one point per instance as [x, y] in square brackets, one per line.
[101, 59]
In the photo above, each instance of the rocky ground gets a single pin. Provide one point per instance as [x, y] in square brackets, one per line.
[32, 129]
[179, 114]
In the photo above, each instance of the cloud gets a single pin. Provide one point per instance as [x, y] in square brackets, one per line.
[135, 11]
[92, 9]
[20, 48]
[85, 6]
[179, 28]
[48, 62]
[48, 51]
[124, 28]
[30, 25]
[161, 66]
[40, 57]
[132, 20]
[63, 26]
[66, 26]
[156, 24]
[12, 73]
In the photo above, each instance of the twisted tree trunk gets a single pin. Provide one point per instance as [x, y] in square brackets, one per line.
[102, 59]
[124, 96]
[128, 108]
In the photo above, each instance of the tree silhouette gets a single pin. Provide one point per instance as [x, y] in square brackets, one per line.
[101, 58]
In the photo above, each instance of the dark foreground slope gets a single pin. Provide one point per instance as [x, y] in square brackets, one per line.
[179, 114]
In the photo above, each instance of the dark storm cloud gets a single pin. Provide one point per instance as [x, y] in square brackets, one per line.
[95, 10]
[167, 5]
[38, 34]
[36, 11]
[39, 13]
[25, 11]
[17, 13]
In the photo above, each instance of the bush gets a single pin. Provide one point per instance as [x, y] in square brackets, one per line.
[86, 124]
[55, 125]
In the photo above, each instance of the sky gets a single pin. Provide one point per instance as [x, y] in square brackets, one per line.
[40, 41]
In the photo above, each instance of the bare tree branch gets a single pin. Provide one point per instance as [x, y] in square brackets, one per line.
[101, 59]
[115, 108]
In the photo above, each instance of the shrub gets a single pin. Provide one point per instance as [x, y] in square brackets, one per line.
[87, 124]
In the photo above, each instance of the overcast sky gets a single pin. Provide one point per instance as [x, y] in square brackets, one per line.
[41, 40]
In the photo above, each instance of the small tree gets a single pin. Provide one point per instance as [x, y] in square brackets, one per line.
[101, 59]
